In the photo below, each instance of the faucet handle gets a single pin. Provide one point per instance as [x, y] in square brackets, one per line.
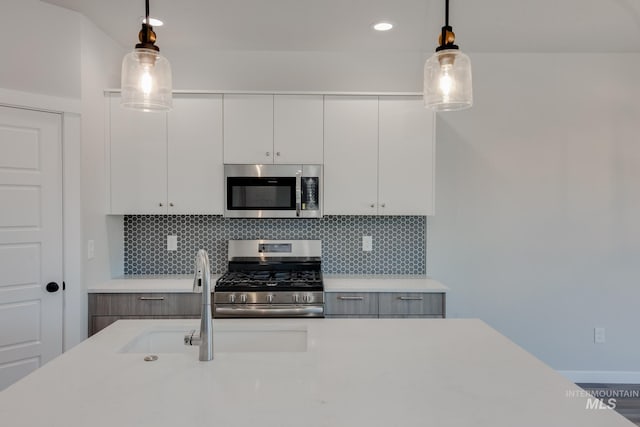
[197, 279]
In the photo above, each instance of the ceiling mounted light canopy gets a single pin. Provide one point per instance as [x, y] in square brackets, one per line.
[146, 75]
[447, 74]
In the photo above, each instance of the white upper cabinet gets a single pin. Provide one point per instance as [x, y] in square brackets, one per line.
[248, 129]
[138, 160]
[351, 155]
[378, 151]
[167, 162]
[298, 129]
[269, 129]
[405, 157]
[378, 156]
[195, 171]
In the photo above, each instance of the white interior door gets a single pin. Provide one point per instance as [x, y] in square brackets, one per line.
[30, 241]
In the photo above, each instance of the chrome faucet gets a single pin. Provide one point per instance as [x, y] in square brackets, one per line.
[202, 283]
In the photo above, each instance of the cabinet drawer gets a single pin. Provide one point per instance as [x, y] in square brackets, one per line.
[411, 304]
[147, 304]
[351, 304]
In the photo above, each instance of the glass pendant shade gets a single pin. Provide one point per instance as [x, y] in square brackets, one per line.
[146, 81]
[447, 81]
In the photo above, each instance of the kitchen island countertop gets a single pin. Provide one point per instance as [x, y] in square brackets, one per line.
[356, 372]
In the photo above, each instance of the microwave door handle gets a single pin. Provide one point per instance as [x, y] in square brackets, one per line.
[298, 192]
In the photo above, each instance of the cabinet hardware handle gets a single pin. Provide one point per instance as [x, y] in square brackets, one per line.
[383, 205]
[372, 205]
[171, 204]
[151, 298]
[268, 153]
[278, 153]
[351, 298]
[410, 298]
[160, 204]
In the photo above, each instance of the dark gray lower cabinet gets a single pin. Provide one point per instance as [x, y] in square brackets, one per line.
[385, 304]
[351, 304]
[104, 309]
[411, 304]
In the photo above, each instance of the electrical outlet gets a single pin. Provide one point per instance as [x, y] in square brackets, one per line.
[367, 243]
[599, 336]
[172, 243]
[91, 249]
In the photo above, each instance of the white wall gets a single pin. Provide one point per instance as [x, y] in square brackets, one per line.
[296, 71]
[40, 48]
[101, 60]
[537, 205]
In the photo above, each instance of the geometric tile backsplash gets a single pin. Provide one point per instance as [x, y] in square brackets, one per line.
[399, 242]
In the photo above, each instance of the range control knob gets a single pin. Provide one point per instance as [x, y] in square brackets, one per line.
[243, 298]
[232, 298]
[296, 298]
[269, 298]
[308, 298]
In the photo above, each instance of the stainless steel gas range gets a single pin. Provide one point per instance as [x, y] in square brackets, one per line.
[271, 278]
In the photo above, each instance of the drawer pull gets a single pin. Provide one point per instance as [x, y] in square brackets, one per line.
[151, 298]
[351, 298]
[410, 298]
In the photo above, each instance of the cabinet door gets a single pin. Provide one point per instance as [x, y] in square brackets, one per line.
[351, 304]
[406, 153]
[411, 304]
[195, 171]
[350, 155]
[248, 129]
[138, 160]
[298, 129]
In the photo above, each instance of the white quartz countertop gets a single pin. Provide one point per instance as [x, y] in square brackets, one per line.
[332, 283]
[350, 373]
[148, 283]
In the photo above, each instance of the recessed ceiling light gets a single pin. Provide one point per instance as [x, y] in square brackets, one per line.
[154, 22]
[383, 26]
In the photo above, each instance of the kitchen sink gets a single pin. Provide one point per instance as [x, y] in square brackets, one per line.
[171, 340]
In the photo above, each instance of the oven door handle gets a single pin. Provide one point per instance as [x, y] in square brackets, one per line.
[265, 311]
[298, 192]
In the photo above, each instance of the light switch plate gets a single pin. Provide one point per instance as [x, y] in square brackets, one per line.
[172, 243]
[367, 243]
[599, 336]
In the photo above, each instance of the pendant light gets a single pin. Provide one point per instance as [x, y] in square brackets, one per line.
[146, 75]
[447, 74]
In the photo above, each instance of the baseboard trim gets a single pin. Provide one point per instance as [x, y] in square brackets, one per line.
[603, 377]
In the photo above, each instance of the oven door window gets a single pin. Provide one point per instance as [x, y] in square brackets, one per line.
[264, 193]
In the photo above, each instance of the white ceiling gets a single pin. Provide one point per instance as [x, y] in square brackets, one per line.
[345, 25]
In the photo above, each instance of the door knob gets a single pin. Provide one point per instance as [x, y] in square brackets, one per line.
[52, 287]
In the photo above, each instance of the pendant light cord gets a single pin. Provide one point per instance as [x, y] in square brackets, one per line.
[148, 26]
[446, 12]
[447, 38]
[443, 37]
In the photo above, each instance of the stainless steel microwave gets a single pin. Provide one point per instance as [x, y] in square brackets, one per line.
[273, 191]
